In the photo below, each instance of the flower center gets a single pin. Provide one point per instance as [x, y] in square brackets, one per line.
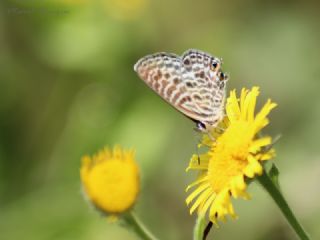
[113, 185]
[229, 155]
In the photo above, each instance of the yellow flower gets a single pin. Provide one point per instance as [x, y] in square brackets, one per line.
[236, 155]
[111, 180]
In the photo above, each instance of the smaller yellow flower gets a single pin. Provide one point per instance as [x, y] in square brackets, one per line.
[111, 180]
[236, 155]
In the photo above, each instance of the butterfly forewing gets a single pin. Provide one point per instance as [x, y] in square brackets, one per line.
[162, 73]
[189, 83]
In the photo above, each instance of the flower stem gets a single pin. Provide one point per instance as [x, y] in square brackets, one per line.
[277, 196]
[136, 225]
[199, 228]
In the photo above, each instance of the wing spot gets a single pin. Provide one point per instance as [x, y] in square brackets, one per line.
[185, 99]
[189, 84]
[157, 85]
[176, 80]
[182, 101]
[167, 75]
[170, 90]
[176, 96]
[164, 84]
[197, 97]
[186, 62]
[206, 108]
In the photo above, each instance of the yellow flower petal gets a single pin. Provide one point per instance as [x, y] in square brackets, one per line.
[197, 192]
[198, 162]
[200, 180]
[202, 198]
[259, 143]
[236, 154]
[233, 110]
[208, 203]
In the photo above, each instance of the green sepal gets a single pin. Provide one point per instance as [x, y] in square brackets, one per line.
[273, 174]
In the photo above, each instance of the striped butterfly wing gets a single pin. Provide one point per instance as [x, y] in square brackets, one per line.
[162, 73]
[191, 83]
[205, 83]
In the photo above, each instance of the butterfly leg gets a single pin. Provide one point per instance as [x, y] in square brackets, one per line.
[212, 138]
[198, 142]
[220, 129]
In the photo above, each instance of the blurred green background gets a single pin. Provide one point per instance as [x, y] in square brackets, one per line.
[68, 88]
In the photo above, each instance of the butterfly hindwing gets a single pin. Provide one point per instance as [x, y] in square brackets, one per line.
[201, 74]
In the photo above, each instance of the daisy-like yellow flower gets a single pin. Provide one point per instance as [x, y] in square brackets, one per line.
[235, 155]
[111, 180]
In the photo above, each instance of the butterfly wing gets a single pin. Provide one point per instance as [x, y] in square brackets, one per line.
[205, 84]
[162, 73]
[189, 83]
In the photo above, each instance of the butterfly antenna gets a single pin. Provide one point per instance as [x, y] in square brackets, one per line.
[274, 141]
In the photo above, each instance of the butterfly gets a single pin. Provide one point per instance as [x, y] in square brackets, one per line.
[193, 83]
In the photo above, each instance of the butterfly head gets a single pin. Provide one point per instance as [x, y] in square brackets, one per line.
[201, 126]
[207, 127]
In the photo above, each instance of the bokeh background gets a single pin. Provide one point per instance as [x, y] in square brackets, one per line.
[67, 88]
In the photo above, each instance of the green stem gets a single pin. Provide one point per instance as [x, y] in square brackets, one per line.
[277, 196]
[137, 226]
[199, 228]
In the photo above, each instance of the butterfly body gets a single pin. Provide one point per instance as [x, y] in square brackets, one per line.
[193, 83]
